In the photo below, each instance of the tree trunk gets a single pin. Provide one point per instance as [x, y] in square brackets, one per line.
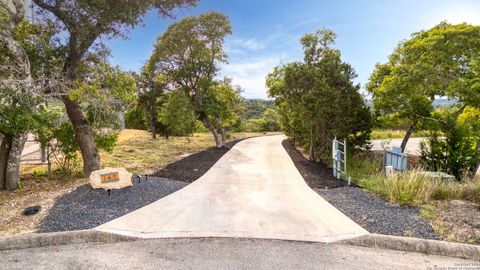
[83, 136]
[12, 172]
[153, 129]
[312, 146]
[4, 152]
[409, 133]
[477, 172]
[223, 132]
[214, 132]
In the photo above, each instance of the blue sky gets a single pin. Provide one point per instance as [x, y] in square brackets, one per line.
[266, 33]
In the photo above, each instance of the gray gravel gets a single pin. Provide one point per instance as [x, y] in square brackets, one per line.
[377, 215]
[86, 208]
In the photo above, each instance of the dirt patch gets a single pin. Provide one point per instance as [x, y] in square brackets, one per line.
[192, 167]
[458, 221]
[316, 174]
[37, 192]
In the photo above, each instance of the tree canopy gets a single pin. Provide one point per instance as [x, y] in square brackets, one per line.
[81, 24]
[188, 54]
[440, 62]
[317, 99]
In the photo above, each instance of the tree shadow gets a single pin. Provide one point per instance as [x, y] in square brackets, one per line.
[316, 174]
[192, 167]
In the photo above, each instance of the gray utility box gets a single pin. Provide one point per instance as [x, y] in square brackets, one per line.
[395, 158]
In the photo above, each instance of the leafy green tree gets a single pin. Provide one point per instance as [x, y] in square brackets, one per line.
[455, 154]
[442, 61]
[82, 24]
[254, 108]
[135, 118]
[221, 106]
[152, 94]
[177, 115]
[470, 119]
[317, 98]
[18, 97]
[188, 53]
[268, 122]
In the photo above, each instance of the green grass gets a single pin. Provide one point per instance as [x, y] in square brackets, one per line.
[428, 211]
[403, 188]
[139, 153]
[383, 134]
[411, 187]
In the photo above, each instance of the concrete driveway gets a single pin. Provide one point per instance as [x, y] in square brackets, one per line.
[253, 191]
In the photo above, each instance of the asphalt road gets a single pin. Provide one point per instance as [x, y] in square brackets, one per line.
[413, 145]
[220, 253]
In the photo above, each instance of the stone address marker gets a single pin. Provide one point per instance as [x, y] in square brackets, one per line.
[111, 178]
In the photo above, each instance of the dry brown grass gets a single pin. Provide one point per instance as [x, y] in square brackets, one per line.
[37, 191]
[135, 151]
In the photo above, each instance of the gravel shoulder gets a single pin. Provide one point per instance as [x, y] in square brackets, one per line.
[377, 215]
[193, 166]
[86, 208]
[368, 210]
[316, 174]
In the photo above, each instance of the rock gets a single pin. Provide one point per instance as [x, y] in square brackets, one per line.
[111, 178]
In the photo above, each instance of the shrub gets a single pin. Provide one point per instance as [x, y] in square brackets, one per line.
[456, 154]
[177, 115]
[135, 119]
[412, 187]
[471, 190]
[106, 140]
[446, 190]
[404, 188]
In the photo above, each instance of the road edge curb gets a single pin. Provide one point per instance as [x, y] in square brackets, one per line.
[411, 244]
[60, 238]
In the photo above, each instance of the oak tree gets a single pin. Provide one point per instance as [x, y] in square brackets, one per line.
[83, 24]
[440, 62]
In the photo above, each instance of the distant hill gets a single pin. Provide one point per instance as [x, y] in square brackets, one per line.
[254, 108]
[439, 102]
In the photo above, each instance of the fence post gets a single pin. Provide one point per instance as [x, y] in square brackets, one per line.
[345, 155]
[43, 155]
[339, 164]
[334, 143]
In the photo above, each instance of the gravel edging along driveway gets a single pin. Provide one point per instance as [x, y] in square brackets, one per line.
[370, 211]
[85, 208]
[376, 215]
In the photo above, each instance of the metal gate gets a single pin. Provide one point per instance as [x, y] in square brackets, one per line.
[339, 156]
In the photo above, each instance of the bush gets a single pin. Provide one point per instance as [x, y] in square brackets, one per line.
[471, 190]
[254, 125]
[455, 154]
[177, 115]
[403, 188]
[446, 190]
[106, 140]
[412, 187]
[135, 119]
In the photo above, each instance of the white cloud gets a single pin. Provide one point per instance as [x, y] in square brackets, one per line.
[454, 14]
[250, 74]
[249, 44]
